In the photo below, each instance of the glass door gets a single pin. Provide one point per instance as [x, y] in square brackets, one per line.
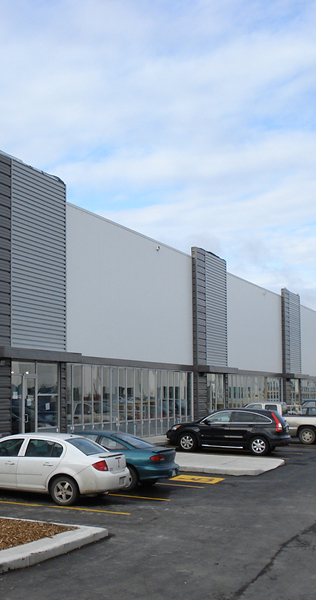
[29, 404]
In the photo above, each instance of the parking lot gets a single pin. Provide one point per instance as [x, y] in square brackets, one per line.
[220, 537]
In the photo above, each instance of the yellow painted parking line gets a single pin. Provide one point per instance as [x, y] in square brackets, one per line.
[111, 512]
[199, 487]
[197, 479]
[98, 510]
[141, 497]
[19, 503]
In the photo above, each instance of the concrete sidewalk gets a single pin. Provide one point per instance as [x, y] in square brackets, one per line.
[226, 465]
[220, 464]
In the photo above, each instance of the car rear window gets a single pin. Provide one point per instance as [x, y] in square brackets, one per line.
[261, 418]
[86, 446]
[247, 416]
[133, 441]
[43, 448]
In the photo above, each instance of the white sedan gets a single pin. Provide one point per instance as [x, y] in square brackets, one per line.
[63, 465]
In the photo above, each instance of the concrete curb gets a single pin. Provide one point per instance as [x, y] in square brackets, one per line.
[45, 548]
[226, 465]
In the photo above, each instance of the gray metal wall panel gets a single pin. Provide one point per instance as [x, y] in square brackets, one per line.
[38, 260]
[291, 330]
[5, 397]
[5, 250]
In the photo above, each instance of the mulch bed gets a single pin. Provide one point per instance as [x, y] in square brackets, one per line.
[15, 532]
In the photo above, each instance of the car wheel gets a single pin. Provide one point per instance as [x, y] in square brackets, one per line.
[187, 442]
[259, 446]
[64, 490]
[133, 479]
[307, 435]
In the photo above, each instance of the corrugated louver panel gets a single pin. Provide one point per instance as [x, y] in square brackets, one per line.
[216, 310]
[38, 259]
[291, 324]
[209, 309]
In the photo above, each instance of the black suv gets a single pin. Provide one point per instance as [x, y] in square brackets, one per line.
[259, 431]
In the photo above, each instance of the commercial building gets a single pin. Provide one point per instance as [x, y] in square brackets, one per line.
[101, 326]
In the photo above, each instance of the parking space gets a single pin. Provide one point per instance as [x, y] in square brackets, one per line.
[123, 505]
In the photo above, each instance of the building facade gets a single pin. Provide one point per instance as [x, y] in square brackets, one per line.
[103, 327]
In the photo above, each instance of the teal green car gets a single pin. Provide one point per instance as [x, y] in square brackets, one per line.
[146, 463]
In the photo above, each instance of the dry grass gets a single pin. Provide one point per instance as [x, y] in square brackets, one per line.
[15, 532]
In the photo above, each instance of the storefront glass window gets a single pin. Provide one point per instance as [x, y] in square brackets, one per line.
[106, 371]
[96, 385]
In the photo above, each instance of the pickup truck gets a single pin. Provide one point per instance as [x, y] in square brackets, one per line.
[280, 407]
[303, 425]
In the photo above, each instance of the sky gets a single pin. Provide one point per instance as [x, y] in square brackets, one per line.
[191, 121]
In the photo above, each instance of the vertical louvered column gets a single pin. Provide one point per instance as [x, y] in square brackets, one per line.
[38, 271]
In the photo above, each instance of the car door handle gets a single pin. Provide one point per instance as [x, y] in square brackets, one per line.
[10, 463]
[47, 464]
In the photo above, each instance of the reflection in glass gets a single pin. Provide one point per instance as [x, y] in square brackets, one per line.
[16, 403]
[171, 395]
[141, 401]
[130, 394]
[47, 410]
[23, 368]
[77, 394]
[138, 391]
[122, 395]
[145, 395]
[106, 394]
[165, 399]
[87, 394]
[115, 415]
[97, 395]
[68, 394]
[47, 378]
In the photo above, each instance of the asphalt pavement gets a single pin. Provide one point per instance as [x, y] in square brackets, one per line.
[35, 552]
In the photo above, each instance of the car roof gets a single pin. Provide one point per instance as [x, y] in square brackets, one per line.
[40, 436]
[249, 409]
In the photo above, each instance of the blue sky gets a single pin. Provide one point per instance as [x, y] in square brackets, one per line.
[192, 122]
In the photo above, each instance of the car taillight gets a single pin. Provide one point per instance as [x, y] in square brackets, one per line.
[278, 424]
[157, 457]
[100, 465]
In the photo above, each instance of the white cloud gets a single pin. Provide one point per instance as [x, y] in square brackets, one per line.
[192, 122]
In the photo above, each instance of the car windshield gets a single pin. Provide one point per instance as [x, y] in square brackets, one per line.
[86, 446]
[133, 441]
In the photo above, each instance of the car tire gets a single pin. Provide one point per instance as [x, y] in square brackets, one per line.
[187, 442]
[133, 479]
[307, 435]
[259, 446]
[64, 490]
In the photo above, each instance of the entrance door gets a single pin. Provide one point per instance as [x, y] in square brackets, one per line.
[24, 403]
[29, 403]
[24, 406]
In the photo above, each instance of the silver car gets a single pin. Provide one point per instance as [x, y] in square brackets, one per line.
[62, 465]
